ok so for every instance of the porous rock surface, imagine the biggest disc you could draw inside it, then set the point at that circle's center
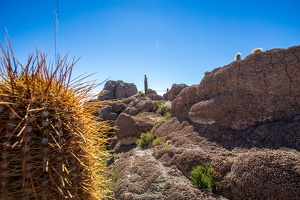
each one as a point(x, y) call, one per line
point(264, 174)
point(243, 118)
point(174, 91)
point(142, 177)
point(243, 171)
point(130, 128)
point(143, 104)
point(152, 94)
point(263, 87)
point(110, 110)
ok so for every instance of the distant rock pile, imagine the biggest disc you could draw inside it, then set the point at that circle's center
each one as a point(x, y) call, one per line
point(117, 90)
point(174, 91)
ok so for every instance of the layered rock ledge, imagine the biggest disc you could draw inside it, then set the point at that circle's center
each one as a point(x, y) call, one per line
point(261, 88)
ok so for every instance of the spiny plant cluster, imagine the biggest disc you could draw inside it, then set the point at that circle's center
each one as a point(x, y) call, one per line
point(162, 107)
point(148, 139)
point(145, 139)
point(51, 147)
point(202, 177)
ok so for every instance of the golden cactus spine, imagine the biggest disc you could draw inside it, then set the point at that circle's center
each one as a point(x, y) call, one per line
point(51, 147)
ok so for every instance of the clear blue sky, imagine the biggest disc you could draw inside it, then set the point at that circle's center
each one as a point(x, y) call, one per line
point(171, 41)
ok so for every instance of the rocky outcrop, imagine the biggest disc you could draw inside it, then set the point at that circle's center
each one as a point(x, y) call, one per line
point(106, 113)
point(243, 118)
point(152, 94)
point(261, 88)
point(117, 90)
point(264, 174)
point(111, 110)
point(143, 104)
point(174, 91)
point(258, 173)
point(130, 128)
point(241, 173)
point(189, 149)
point(142, 177)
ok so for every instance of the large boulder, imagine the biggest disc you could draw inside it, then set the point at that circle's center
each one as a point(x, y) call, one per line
point(142, 177)
point(152, 94)
point(174, 91)
point(264, 87)
point(117, 89)
point(143, 104)
point(130, 128)
point(264, 174)
point(111, 110)
point(106, 113)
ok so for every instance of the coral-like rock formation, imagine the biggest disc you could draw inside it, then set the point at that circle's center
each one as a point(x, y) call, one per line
point(264, 174)
point(263, 87)
point(242, 173)
point(142, 177)
point(243, 118)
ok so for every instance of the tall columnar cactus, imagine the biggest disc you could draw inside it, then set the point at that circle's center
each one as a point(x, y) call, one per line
point(146, 84)
point(51, 147)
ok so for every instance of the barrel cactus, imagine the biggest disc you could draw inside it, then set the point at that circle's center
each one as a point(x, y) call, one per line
point(51, 146)
point(238, 56)
point(256, 50)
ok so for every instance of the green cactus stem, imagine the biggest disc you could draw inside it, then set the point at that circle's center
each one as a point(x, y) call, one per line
point(146, 84)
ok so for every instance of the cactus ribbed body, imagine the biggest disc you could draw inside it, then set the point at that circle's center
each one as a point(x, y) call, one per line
point(238, 56)
point(256, 50)
point(51, 147)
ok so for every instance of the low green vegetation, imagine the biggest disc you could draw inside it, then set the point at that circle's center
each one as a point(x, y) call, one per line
point(128, 100)
point(145, 139)
point(118, 155)
point(162, 107)
point(114, 175)
point(141, 94)
point(165, 146)
point(139, 115)
point(202, 177)
point(166, 117)
point(163, 119)
point(157, 142)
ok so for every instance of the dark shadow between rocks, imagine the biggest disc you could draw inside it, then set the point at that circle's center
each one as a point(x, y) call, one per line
point(272, 135)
